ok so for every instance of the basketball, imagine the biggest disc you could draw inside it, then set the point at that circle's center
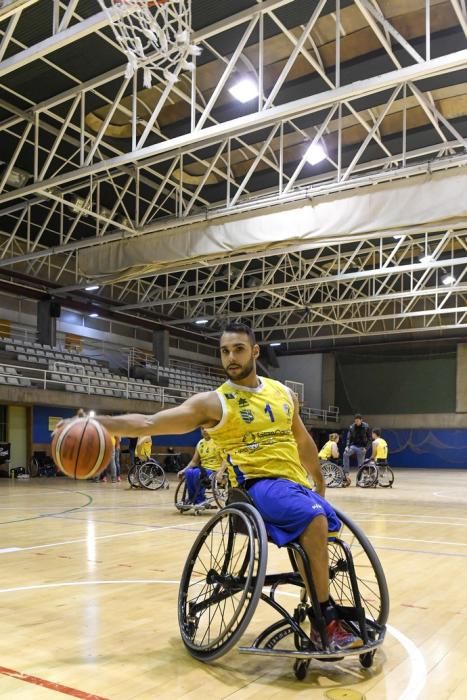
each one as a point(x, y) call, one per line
point(82, 448)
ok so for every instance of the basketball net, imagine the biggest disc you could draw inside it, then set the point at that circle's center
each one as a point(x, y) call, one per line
point(155, 36)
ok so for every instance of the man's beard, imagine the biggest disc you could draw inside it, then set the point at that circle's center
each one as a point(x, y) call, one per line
point(246, 370)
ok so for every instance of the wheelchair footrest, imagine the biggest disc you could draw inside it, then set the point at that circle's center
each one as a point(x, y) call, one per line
point(317, 654)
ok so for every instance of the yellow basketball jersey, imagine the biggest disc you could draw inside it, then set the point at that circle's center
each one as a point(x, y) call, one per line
point(209, 454)
point(326, 450)
point(144, 449)
point(381, 449)
point(255, 432)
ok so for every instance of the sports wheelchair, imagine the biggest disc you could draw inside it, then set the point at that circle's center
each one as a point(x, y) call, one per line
point(149, 474)
point(333, 474)
point(215, 494)
point(225, 574)
point(373, 473)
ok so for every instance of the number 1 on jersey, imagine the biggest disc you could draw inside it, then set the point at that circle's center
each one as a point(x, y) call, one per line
point(268, 410)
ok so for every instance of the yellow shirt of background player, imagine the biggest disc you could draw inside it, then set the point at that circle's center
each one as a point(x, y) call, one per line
point(209, 454)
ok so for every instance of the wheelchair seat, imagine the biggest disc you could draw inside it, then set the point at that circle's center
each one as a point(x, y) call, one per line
point(225, 574)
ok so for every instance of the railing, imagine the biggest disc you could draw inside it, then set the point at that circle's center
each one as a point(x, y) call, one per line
point(42, 379)
point(329, 414)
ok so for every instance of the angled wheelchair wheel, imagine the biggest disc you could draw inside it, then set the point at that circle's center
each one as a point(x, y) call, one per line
point(133, 477)
point(333, 475)
point(151, 475)
point(370, 576)
point(222, 581)
point(220, 490)
point(367, 476)
point(181, 496)
point(385, 477)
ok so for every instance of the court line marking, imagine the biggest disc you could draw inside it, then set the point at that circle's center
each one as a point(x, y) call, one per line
point(440, 494)
point(406, 515)
point(154, 528)
point(65, 584)
point(418, 673)
point(414, 539)
point(50, 685)
point(413, 522)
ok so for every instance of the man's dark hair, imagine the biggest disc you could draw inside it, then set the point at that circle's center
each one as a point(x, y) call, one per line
point(377, 431)
point(238, 327)
point(358, 415)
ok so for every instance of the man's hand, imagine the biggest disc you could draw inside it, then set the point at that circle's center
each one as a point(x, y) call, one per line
point(181, 473)
point(221, 474)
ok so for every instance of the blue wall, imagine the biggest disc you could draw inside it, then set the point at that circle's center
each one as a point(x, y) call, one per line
point(40, 420)
point(443, 449)
point(41, 434)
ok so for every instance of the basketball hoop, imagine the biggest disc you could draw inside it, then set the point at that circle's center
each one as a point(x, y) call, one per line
point(155, 36)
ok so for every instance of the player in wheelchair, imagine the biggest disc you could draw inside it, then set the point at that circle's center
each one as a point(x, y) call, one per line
point(256, 423)
point(330, 465)
point(200, 487)
point(376, 470)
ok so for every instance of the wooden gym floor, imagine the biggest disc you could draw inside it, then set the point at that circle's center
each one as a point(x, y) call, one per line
point(89, 579)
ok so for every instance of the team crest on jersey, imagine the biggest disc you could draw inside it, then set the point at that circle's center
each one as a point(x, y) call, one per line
point(247, 415)
point(242, 402)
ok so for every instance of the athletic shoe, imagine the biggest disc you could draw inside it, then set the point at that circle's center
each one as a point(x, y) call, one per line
point(118, 478)
point(339, 637)
point(104, 478)
point(347, 482)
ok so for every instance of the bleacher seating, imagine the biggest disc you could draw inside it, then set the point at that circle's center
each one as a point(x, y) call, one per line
point(59, 369)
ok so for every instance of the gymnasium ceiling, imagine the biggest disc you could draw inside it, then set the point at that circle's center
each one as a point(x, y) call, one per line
point(91, 159)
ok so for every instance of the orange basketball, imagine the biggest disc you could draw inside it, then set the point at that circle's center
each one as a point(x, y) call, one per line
point(82, 448)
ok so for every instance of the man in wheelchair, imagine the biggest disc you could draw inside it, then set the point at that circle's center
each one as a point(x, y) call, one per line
point(255, 422)
point(205, 461)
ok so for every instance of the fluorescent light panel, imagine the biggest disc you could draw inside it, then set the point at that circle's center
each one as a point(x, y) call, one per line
point(245, 90)
point(92, 288)
point(315, 154)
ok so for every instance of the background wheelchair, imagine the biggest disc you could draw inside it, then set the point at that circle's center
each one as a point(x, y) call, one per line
point(373, 473)
point(149, 474)
point(215, 494)
point(225, 573)
point(333, 474)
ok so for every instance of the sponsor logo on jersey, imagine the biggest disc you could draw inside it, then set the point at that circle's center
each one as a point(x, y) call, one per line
point(229, 396)
point(242, 402)
point(247, 415)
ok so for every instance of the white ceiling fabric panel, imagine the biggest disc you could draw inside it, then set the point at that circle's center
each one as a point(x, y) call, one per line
point(434, 200)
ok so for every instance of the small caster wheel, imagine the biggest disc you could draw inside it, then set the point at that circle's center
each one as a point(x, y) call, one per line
point(366, 660)
point(300, 668)
point(300, 614)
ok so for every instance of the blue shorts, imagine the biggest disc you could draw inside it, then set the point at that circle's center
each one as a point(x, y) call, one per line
point(288, 508)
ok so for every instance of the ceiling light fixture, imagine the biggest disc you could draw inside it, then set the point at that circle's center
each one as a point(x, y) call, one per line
point(201, 321)
point(93, 315)
point(18, 177)
point(245, 90)
point(448, 279)
point(275, 345)
point(426, 258)
point(315, 154)
point(92, 288)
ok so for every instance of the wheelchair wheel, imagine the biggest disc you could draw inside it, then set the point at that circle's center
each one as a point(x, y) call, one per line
point(367, 476)
point(371, 580)
point(385, 477)
point(133, 477)
point(181, 495)
point(333, 475)
point(220, 490)
point(151, 475)
point(222, 581)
